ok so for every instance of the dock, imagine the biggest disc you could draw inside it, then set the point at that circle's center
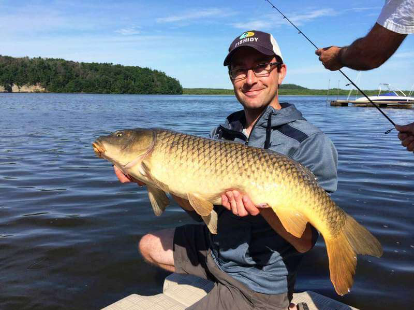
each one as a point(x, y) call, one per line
point(182, 291)
point(381, 104)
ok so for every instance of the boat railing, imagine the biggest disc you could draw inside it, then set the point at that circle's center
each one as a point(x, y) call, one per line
point(396, 91)
point(356, 82)
point(411, 90)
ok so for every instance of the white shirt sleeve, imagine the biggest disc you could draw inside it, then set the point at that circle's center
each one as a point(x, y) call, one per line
point(398, 16)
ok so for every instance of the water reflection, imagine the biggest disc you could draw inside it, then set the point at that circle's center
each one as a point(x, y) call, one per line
point(69, 229)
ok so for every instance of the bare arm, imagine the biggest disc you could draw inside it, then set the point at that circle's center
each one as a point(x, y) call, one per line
point(241, 205)
point(365, 53)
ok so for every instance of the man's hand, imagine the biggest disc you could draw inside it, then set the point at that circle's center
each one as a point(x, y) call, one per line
point(123, 178)
point(406, 135)
point(239, 204)
point(330, 57)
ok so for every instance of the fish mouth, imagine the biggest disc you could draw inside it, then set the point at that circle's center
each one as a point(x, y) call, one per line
point(98, 148)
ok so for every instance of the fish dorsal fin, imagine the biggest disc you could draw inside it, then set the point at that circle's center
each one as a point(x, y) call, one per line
point(158, 199)
point(211, 222)
point(292, 220)
point(202, 206)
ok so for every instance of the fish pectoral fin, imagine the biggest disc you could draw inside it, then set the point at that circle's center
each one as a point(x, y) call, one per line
point(211, 222)
point(292, 220)
point(158, 198)
point(145, 171)
point(202, 206)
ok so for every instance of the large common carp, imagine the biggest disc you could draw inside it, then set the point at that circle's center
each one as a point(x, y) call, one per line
point(200, 170)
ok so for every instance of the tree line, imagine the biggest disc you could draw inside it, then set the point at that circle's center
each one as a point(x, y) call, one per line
point(62, 76)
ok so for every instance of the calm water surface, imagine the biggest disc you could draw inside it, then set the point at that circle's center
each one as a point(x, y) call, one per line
point(69, 230)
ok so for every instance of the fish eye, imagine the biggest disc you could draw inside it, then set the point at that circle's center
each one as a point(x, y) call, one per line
point(118, 134)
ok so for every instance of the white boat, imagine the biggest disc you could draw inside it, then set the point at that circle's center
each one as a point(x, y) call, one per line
point(392, 96)
point(390, 99)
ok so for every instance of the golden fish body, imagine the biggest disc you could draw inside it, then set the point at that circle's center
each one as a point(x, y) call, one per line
point(200, 170)
point(190, 164)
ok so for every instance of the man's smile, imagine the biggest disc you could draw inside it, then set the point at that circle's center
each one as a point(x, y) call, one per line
point(252, 92)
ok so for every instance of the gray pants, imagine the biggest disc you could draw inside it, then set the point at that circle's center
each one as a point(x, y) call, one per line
point(192, 256)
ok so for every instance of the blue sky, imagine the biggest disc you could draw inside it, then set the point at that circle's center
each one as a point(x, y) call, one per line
point(188, 40)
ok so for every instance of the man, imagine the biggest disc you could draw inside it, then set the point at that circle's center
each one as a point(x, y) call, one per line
point(394, 23)
point(253, 265)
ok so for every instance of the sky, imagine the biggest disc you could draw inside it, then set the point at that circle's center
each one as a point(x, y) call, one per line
point(189, 40)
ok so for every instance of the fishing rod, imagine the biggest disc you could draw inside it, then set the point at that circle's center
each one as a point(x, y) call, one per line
point(310, 41)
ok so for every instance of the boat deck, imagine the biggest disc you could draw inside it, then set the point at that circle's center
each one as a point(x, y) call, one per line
point(181, 291)
point(381, 104)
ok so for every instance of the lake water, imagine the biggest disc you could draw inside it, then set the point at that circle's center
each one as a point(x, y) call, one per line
point(69, 230)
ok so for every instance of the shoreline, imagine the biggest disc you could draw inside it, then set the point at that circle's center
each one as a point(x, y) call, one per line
point(187, 95)
point(38, 89)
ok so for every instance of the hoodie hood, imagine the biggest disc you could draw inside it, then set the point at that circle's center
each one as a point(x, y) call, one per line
point(269, 120)
point(288, 114)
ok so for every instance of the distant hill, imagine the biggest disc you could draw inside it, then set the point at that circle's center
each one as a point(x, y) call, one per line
point(207, 91)
point(222, 91)
point(284, 90)
point(62, 76)
point(291, 86)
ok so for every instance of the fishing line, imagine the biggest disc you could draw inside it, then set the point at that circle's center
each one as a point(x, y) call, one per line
point(310, 41)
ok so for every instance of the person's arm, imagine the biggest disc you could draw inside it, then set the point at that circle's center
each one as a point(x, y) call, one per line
point(241, 205)
point(406, 136)
point(365, 53)
point(319, 155)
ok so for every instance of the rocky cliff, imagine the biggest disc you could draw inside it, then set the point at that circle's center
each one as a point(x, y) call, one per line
point(23, 89)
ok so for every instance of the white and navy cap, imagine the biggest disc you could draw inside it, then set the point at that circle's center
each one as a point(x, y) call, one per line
point(263, 42)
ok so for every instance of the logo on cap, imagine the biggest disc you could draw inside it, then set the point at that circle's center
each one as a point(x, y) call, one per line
point(247, 34)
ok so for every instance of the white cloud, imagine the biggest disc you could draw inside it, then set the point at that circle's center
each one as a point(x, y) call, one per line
point(302, 18)
point(375, 9)
point(128, 31)
point(274, 20)
point(33, 21)
point(195, 15)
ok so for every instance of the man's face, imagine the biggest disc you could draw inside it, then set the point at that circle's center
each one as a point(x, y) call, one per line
point(256, 92)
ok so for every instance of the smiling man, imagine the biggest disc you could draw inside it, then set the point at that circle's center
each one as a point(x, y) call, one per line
point(252, 264)
point(264, 261)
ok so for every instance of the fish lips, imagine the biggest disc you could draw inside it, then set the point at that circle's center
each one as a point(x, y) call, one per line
point(98, 148)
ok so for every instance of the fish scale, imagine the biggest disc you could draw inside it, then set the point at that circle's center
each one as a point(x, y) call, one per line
point(202, 157)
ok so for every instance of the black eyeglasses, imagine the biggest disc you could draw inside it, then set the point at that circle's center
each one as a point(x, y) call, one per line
point(261, 70)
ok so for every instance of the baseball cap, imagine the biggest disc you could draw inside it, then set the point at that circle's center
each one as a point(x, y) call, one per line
point(263, 42)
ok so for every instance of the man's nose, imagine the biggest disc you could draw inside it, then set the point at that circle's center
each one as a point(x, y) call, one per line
point(251, 77)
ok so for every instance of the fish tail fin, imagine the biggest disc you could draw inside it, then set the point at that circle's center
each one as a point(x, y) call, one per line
point(342, 252)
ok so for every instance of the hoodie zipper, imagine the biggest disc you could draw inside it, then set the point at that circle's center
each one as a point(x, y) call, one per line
point(254, 126)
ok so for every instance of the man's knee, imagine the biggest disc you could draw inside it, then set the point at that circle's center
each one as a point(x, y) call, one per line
point(157, 247)
point(145, 245)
